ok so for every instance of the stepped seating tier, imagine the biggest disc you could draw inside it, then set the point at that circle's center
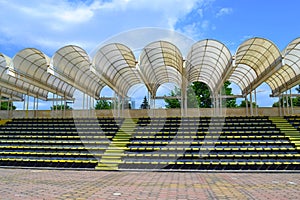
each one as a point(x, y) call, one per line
point(67, 143)
point(205, 143)
point(172, 143)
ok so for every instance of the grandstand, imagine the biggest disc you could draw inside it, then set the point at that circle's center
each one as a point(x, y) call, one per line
point(181, 139)
point(187, 143)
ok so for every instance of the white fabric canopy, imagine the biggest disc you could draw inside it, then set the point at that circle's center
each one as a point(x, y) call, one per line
point(161, 62)
point(257, 60)
point(72, 65)
point(208, 62)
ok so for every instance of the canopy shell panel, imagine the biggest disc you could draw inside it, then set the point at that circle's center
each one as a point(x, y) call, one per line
point(262, 56)
point(116, 64)
point(32, 66)
point(289, 74)
point(72, 64)
point(160, 62)
point(207, 61)
point(18, 85)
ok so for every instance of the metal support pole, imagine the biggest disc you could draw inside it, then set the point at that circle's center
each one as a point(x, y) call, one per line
point(34, 110)
point(52, 104)
point(8, 115)
point(185, 103)
point(91, 106)
point(83, 100)
point(37, 104)
point(292, 106)
point(65, 106)
point(246, 102)
point(251, 104)
point(221, 104)
point(119, 106)
point(283, 109)
point(255, 99)
point(114, 103)
point(287, 103)
point(27, 106)
point(122, 106)
point(279, 106)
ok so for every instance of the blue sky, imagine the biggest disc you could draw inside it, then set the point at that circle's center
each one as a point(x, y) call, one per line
point(50, 24)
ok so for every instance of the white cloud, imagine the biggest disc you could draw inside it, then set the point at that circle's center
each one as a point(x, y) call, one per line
point(49, 24)
point(200, 12)
point(192, 30)
point(205, 25)
point(224, 11)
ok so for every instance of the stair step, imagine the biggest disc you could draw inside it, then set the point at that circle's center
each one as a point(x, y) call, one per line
point(112, 157)
point(108, 161)
point(290, 131)
point(107, 168)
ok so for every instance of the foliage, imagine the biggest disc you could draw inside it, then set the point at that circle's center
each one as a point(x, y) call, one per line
point(230, 102)
point(202, 93)
point(198, 95)
point(103, 105)
point(283, 102)
point(287, 102)
point(60, 107)
point(7, 105)
point(243, 104)
point(145, 104)
point(173, 103)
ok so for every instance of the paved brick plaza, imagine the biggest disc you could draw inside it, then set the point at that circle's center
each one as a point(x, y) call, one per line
point(67, 184)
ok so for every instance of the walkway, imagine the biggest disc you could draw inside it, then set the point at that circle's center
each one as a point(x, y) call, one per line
point(67, 184)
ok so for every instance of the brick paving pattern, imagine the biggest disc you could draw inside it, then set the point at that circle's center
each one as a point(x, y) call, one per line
point(67, 184)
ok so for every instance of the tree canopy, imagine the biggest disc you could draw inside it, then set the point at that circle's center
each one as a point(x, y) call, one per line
point(287, 101)
point(60, 107)
point(243, 104)
point(198, 96)
point(103, 105)
point(145, 104)
point(7, 105)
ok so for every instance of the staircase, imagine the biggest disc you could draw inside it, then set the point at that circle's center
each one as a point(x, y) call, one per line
point(289, 130)
point(112, 157)
point(4, 121)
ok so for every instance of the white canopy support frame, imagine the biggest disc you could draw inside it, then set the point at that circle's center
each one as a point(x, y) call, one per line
point(257, 60)
point(262, 56)
point(116, 65)
point(15, 84)
point(288, 75)
point(208, 61)
point(31, 66)
point(160, 62)
point(72, 65)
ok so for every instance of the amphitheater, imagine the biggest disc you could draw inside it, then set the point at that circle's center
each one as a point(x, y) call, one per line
point(150, 148)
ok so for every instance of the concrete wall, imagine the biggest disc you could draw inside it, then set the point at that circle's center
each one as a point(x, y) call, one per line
point(145, 113)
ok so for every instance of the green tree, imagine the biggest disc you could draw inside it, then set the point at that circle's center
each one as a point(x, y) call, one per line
point(60, 107)
point(145, 104)
point(202, 93)
point(287, 102)
point(173, 103)
point(230, 102)
point(7, 105)
point(103, 105)
point(198, 95)
point(243, 104)
point(296, 101)
point(284, 102)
